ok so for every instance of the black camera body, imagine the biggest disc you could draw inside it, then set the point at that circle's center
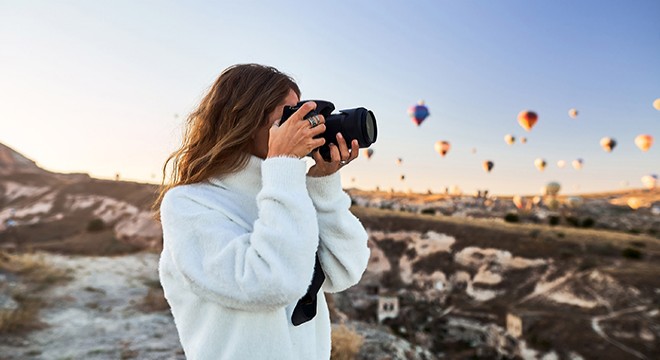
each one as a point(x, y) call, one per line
point(358, 123)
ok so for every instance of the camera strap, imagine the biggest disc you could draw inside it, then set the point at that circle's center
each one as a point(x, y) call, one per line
point(305, 309)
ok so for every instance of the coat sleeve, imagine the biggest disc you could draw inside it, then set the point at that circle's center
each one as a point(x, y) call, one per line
point(268, 268)
point(343, 250)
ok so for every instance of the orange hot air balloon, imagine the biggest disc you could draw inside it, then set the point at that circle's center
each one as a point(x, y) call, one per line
point(656, 104)
point(650, 180)
point(540, 164)
point(509, 139)
point(368, 153)
point(561, 164)
point(523, 140)
point(442, 147)
point(644, 142)
point(608, 144)
point(399, 161)
point(488, 165)
point(518, 201)
point(527, 119)
point(634, 203)
point(577, 164)
point(573, 113)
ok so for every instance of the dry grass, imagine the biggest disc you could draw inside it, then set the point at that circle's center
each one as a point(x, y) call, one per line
point(346, 343)
point(33, 268)
point(37, 276)
point(25, 318)
point(155, 300)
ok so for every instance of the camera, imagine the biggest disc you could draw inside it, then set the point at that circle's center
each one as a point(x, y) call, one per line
point(358, 123)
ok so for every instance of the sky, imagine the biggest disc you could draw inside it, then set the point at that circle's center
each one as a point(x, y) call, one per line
point(104, 87)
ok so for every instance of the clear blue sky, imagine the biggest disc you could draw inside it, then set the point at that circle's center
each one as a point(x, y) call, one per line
point(94, 86)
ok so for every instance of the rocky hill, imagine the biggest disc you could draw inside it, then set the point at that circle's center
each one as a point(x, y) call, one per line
point(487, 289)
point(72, 213)
point(447, 278)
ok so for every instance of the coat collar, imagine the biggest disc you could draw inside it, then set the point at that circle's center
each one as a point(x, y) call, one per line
point(246, 181)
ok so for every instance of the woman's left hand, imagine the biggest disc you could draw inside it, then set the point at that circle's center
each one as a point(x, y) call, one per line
point(340, 156)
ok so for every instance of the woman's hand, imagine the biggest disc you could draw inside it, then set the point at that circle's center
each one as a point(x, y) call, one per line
point(296, 136)
point(339, 156)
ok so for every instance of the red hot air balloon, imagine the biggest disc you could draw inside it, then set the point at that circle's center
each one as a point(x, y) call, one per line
point(644, 142)
point(418, 112)
point(442, 147)
point(527, 119)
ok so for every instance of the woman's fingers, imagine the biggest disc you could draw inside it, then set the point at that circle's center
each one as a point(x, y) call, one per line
point(304, 110)
point(335, 155)
point(355, 150)
point(343, 149)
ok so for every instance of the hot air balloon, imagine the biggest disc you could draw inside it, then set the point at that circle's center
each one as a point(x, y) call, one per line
point(442, 147)
point(518, 201)
point(488, 165)
point(418, 113)
point(608, 144)
point(551, 188)
point(650, 180)
point(368, 153)
point(522, 203)
point(509, 139)
point(536, 200)
point(573, 113)
point(644, 142)
point(656, 104)
point(574, 202)
point(527, 119)
point(552, 203)
point(540, 164)
point(634, 203)
point(402, 177)
point(561, 164)
point(399, 161)
point(577, 164)
point(474, 150)
point(523, 140)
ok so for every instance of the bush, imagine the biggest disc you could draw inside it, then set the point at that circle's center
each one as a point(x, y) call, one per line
point(631, 253)
point(346, 343)
point(588, 222)
point(95, 225)
point(511, 217)
point(553, 220)
point(428, 211)
point(572, 220)
point(587, 263)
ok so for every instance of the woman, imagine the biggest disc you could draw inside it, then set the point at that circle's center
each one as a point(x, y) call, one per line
point(247, 230)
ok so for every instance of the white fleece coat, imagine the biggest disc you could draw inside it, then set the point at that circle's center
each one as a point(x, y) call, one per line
point(239, 252)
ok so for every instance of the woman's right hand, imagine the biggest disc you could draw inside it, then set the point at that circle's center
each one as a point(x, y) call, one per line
point(296, 136)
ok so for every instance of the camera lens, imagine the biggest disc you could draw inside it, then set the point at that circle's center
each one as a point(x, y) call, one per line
point(370, 124)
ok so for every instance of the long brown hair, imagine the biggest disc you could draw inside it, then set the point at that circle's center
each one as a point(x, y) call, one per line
point(219, 133)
